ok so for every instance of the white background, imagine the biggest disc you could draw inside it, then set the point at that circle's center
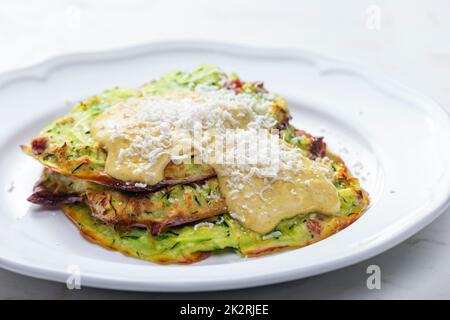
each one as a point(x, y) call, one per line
point(410, 40)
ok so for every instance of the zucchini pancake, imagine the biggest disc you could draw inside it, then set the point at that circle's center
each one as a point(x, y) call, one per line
point(192, 164)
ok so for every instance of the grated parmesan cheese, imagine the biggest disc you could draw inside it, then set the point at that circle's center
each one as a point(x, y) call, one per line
point(272, 235)
point(203, 224)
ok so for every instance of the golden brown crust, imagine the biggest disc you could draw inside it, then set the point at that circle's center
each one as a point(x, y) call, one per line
point(133, 211)
point(153, 211)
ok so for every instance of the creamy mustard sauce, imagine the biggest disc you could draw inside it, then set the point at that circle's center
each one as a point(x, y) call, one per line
point(142, 138)
point(260, 206)
point(133, 167)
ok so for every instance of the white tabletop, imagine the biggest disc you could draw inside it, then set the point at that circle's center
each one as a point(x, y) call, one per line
point(407, 39)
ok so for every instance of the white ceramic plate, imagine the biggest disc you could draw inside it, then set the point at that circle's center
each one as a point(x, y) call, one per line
point(397, 139)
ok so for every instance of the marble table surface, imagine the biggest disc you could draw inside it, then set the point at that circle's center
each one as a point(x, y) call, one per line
point(406, 39)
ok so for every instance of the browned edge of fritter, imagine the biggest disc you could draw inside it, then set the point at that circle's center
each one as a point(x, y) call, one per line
point(154, 227)
point(44, 196)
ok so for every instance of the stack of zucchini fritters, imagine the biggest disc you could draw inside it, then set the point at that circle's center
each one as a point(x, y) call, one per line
point(184, 218)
